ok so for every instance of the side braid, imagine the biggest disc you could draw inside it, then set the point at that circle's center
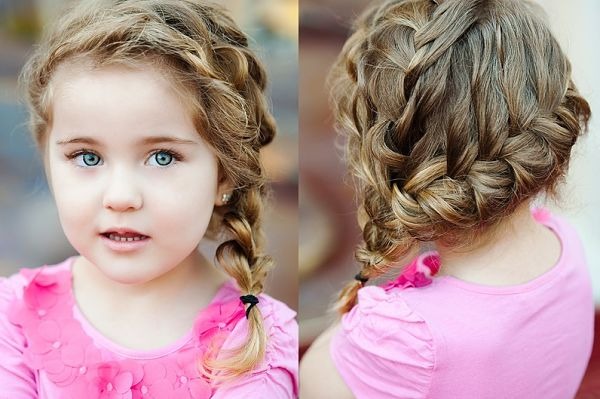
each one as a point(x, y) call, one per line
point(241, 257)
point(452, 121)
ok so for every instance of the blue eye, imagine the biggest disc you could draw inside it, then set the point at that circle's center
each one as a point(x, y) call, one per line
point(88, 158)
point(91, 159)
point(165, 157)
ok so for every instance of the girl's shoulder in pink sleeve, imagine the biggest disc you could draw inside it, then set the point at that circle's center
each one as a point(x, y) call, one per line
point(279, 324)
point(277, 373)
point(381, 312)
point(276, 314)
point(382, 309)
point(12, 287)
point(17, 376)
point(382, 348)
point(282, 336)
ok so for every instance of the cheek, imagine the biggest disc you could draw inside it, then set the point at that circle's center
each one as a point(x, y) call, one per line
point(72, 196)
point(77, 217)
point(186, 206)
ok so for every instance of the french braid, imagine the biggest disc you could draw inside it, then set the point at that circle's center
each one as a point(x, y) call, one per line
point(453, 118)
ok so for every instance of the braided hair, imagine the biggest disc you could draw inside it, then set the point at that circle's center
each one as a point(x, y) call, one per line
point(205, 55)
point(455, 113)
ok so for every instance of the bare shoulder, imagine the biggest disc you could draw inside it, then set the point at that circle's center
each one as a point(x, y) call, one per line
point(318, 375)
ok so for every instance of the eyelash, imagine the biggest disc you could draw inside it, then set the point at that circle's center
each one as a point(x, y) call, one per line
point(177, 157)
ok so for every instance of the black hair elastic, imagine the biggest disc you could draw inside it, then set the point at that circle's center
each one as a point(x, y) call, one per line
point(361, 278)
point(251, 299)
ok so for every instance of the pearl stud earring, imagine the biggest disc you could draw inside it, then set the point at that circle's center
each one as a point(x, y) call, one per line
point(225, 198)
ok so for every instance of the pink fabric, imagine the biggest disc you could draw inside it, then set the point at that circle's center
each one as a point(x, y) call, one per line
point(440, 337)
point(49, 350)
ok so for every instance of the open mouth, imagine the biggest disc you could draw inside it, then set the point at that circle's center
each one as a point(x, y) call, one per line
point(125, 237)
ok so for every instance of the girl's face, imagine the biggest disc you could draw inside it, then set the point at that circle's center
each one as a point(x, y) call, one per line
point(123, 154)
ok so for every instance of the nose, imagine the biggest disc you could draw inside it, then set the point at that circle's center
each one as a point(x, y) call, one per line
point(122, 193)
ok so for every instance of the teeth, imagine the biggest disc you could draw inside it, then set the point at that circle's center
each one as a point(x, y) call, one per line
point(116, 237)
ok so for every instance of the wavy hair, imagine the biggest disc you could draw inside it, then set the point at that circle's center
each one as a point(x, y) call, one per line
point(455, 113)
point(206, 56)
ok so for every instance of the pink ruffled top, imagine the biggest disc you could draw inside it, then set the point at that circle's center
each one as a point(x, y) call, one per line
point(427, 336)
point(49, 350)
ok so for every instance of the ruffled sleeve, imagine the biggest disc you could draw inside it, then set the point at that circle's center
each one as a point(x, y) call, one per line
point(17, 380)
point(277, 375)
point(383, 349)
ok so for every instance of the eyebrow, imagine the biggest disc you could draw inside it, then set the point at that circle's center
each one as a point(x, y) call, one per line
point(145, 141)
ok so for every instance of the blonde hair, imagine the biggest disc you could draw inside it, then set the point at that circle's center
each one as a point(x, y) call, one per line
point(456, 112)
point(207, 58)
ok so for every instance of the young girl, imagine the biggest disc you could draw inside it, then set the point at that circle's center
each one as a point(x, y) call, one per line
point(150, 116)
point(458, 114)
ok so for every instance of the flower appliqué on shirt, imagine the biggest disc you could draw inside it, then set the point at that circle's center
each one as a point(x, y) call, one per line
point(418, 273)
point(58, 346)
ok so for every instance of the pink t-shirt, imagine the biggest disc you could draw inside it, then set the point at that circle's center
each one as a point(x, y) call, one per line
point(440, 337)
point(48, 350)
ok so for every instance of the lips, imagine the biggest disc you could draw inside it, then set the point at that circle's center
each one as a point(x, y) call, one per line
point(124, 234)
point(125, 240)
point(116, 237)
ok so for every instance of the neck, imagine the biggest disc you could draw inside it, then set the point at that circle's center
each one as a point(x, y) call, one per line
point(194, 279)
point(515, 236)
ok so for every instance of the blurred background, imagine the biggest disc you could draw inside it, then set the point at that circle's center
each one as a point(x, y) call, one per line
point(328, 229)
point(30, 233)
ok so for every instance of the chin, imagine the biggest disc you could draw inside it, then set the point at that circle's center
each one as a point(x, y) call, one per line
point(128, 271)
point(126, 278)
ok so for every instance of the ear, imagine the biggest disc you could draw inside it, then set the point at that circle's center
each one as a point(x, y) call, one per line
point(224, 190)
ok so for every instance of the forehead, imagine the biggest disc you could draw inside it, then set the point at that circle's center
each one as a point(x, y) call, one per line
point(115, 102)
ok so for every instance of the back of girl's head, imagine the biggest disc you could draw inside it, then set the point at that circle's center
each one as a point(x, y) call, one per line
point(207, 59)
point(456, 112)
